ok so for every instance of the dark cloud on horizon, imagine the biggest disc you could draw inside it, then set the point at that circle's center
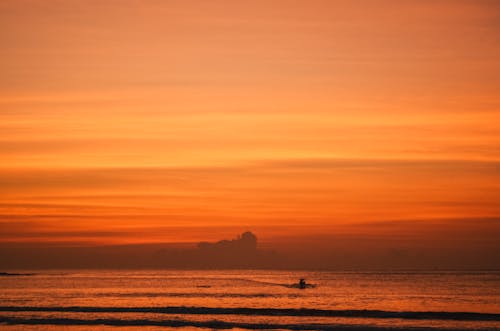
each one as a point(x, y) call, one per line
point(437, 248)
point(241, 252)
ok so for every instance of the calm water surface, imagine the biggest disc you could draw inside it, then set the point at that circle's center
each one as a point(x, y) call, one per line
point(181, 300)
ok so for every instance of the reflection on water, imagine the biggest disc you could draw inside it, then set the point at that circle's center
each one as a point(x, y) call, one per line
point(388, 293)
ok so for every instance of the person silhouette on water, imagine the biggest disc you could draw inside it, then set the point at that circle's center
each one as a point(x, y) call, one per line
point(302, 283)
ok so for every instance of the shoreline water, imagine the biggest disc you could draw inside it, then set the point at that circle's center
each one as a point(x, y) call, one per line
point(213, 324)
point(250, 299)
point(417, 315)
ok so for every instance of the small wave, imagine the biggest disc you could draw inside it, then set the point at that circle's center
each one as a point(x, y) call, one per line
point(13, 274)
point(415, 315)
point(186, 295)
point(213, 324)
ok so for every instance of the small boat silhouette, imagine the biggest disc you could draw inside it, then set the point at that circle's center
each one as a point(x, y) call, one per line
point(302, 285)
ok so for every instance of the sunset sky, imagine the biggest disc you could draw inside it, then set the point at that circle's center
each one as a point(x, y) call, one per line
point(178, 121)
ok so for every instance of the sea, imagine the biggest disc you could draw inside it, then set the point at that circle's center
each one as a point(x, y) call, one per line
point(248, 300)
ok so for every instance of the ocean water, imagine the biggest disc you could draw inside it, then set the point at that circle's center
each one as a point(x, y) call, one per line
point(249, 299)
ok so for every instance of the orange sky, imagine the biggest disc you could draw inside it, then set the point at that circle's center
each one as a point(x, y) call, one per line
point(178, 121)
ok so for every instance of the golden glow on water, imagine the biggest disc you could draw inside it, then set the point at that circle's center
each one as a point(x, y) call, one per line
point(384, 293)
